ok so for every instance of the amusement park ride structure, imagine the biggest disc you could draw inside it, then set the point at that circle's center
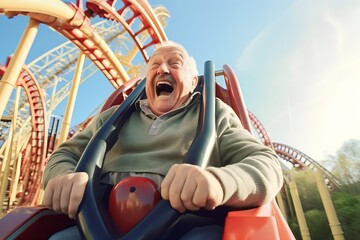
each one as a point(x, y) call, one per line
point(45, 73)
point(118, 44)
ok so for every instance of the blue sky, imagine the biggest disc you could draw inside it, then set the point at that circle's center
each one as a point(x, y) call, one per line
point(298, 62)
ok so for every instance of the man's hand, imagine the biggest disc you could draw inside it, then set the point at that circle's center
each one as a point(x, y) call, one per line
point(64, 193)
point(188, 187)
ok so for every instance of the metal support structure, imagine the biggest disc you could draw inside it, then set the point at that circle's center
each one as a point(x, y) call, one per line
point(281, 204)
point(304, 230)
point(15, 180)
point(72, 98)
point(334, 223)
point(8, 153)
point(8, 81)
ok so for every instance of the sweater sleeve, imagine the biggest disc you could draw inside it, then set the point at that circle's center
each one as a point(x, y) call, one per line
point(251, 174)
point(67, 155)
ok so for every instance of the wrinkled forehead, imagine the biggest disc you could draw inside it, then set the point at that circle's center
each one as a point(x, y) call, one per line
point(169, 51)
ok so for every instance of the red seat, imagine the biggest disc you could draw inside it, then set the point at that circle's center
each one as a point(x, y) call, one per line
point(34, 222)
point(265, 222)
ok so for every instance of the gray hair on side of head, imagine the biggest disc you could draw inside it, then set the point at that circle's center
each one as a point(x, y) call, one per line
point(190, 61)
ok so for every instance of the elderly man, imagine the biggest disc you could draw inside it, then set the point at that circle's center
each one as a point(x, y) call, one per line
point(154, 141)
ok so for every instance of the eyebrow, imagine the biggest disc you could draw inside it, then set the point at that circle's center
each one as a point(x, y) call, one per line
point(176, 52)
point(179, 53)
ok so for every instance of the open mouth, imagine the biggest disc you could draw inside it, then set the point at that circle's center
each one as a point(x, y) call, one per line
point(164, 88)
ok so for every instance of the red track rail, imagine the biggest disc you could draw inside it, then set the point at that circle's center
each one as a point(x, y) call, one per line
point(38, 137)
point(260, 130)
point(141, 11)
point(300, 160)
point(34, 153)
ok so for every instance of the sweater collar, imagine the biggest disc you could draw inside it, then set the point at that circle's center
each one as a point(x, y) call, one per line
point(144, 106)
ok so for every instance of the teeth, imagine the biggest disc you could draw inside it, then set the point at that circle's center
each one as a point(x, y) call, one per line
point(163, 82)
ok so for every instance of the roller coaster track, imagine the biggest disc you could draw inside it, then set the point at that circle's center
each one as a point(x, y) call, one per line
point(49, 69)
point(301, 160)
point(141, 11)
point(38, 140)
point(295, 157)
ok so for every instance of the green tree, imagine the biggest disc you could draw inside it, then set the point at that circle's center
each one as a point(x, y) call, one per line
point(318, 225)
point(294, 226)
point(308, 192)
point(345, 164)
point(348, 208)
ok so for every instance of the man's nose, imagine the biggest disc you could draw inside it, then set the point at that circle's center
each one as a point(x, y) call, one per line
point(163, 68)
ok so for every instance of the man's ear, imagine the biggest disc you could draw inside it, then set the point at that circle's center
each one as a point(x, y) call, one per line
point(195, 81)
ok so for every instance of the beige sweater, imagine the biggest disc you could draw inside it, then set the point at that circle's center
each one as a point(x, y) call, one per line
point(248, 171)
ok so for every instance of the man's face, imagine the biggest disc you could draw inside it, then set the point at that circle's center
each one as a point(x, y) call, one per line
point(168, 80)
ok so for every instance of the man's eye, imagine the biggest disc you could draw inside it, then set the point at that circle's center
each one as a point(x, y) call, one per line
point(154, 65)
point(176, 64)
